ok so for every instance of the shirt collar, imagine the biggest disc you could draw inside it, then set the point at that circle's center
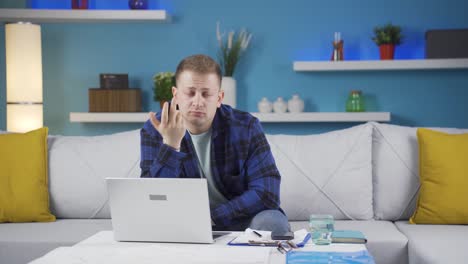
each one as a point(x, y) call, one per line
point(219, 122)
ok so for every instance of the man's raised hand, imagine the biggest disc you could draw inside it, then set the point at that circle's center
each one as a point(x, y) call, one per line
point(171, 127)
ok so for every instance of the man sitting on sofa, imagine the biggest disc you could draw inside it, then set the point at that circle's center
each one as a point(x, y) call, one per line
point(198, 137)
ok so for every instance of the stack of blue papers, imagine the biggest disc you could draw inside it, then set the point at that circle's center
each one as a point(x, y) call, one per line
point(300, 257)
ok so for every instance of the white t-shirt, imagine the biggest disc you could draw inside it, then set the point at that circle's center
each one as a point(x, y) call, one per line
point(202, 145)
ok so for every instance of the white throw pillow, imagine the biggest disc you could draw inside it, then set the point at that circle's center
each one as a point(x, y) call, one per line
point(78, 166)
point(327, 173)
point(396, 171)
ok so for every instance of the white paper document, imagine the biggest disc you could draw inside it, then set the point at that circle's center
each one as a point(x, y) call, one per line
point(170, 254)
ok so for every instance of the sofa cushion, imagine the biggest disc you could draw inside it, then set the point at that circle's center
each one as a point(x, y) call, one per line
point(23, 242)
point(327, 173)
point(395, 168)
point(78, 167)
point(24, 194)
point(443, 167)
point(384, 241)
point(435, 243)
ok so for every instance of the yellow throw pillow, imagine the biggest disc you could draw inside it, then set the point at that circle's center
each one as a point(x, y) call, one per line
point(24, 194)
point(443, 170)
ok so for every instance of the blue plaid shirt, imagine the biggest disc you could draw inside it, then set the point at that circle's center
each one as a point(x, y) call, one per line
point(241, 162)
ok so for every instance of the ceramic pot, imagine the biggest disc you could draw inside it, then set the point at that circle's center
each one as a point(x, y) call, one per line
point(387, 51)
point(265, 106)
point(295, 104)
point(280, 106)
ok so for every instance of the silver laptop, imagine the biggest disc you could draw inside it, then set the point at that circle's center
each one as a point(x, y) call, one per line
point(160, 210)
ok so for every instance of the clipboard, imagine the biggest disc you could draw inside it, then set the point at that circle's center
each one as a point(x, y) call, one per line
point(250, 238)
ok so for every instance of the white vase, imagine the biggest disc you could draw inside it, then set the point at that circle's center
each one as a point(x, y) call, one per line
point(228, 85)
point(296, 104)
point(280, 105)
point(264, 106)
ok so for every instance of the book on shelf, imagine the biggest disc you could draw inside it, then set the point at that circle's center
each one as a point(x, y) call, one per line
point(348, 236)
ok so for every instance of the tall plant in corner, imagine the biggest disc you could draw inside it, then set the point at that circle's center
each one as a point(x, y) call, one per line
point(231, 50)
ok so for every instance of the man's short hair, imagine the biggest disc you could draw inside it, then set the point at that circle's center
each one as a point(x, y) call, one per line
point(199, 63)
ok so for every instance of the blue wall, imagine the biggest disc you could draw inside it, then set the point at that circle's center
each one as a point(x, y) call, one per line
point(75, 54)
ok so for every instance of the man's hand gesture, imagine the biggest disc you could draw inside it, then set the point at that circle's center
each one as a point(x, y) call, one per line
point(171, 127)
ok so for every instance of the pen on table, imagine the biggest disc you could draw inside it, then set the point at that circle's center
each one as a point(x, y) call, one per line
point(257, 233)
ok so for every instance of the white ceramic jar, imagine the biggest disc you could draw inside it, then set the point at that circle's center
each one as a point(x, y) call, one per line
point(280, 106)
point(265, 106)
point(296, 104)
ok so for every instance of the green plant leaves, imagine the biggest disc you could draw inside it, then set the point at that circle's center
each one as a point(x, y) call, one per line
point(163, 83)
point(387, 34)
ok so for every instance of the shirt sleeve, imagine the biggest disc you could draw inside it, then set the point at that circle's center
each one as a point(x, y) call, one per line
point(263, 182)
point(158, 159)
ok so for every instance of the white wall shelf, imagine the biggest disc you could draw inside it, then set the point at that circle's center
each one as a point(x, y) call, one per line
point(266, 118)
point(80, 16)
point(380, 65)
point(323, 117)
point(84, 117)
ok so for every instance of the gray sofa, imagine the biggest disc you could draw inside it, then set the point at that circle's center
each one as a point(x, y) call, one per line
point(365, 176)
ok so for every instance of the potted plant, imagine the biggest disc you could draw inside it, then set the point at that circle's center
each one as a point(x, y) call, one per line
point(162, 89)
point(230, 52)
point(387, 37)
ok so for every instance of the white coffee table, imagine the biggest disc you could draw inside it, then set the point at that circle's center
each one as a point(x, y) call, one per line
point(101, 247)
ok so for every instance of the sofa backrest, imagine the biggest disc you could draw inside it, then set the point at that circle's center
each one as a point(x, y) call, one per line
point(329, 173)
point(325, 173)
point(395, 161)
point(78, 167)
point(363, 172)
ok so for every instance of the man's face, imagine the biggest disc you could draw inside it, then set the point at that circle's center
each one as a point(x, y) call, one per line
point(198, 97)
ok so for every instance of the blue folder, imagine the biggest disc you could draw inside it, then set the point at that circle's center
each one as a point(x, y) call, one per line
point(348, 236)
